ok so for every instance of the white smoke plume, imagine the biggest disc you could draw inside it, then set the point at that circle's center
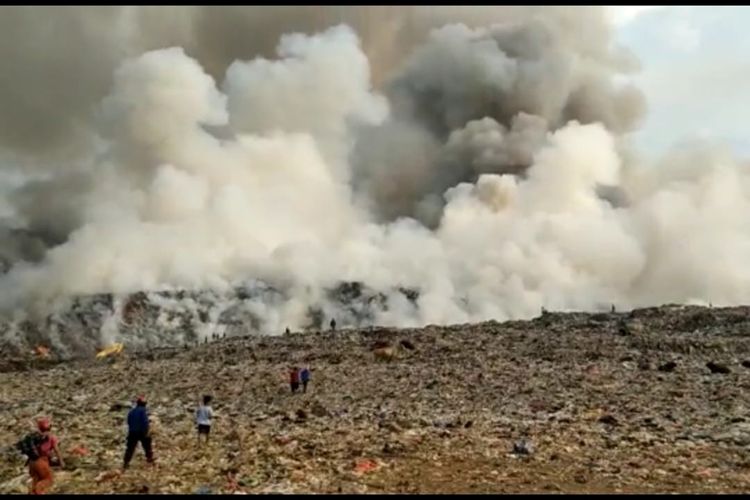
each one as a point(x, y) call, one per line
point(487, 172)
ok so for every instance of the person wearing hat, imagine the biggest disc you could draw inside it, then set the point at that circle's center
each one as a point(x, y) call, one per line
point(138, 432)
point(39, 466)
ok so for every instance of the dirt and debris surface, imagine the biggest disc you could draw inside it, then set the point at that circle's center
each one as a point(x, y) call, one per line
point(654, 400)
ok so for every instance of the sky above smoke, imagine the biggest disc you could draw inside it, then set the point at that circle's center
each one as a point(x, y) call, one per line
point(692, 63)
point(490, 158)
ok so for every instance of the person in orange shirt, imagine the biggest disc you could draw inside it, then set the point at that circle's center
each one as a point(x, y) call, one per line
point(44, 443)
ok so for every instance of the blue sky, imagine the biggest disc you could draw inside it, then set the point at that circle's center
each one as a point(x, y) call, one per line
point(695, 73)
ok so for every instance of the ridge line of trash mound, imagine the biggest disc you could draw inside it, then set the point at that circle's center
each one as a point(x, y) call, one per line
point(673, 318)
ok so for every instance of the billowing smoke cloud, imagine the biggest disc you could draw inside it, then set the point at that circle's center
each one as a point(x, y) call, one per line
point(40, 46)
point(482, 166)
point(58, 63)
point(490, 95)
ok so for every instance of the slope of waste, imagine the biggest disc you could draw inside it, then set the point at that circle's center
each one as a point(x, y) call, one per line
point(81, 325)
point(654, 400)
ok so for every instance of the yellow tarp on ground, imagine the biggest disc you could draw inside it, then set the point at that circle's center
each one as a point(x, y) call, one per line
point(109, 351)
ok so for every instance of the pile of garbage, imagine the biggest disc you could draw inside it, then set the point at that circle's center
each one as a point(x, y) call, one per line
point(75, 327)
point(645, 401)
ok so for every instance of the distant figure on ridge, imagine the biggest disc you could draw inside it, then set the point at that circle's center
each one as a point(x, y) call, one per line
point(333, 325)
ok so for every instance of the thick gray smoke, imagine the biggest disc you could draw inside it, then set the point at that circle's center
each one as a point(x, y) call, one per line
point(58, 64)
point(487, 97)
point(476, 156)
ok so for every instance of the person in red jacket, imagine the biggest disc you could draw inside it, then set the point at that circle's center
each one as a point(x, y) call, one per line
point(39, 468)
point(294, 379)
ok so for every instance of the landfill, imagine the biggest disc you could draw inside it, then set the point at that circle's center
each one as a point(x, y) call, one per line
point(649, 401)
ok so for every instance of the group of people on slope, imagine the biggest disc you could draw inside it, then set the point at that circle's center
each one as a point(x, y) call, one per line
point(297, 375)
point(41, 447)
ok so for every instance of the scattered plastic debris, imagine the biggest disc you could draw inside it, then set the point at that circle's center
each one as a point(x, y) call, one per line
point(364, 466)
point(80, 451)
point(522, 448)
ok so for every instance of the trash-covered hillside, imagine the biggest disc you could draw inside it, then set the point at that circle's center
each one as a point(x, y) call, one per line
point(79, 326)
point(653, 400)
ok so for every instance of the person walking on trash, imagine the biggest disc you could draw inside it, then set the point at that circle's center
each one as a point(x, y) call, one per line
point(304, 376)
point(38, 448)
point(203, 416)
point(138, 432)
point(294, 379)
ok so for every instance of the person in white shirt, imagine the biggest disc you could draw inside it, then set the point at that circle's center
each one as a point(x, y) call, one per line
point(203, 416)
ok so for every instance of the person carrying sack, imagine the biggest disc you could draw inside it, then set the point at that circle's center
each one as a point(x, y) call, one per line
point(38, 448)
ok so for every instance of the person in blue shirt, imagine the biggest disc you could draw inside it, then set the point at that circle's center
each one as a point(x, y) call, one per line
point(138, 432)
point(304, 376)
